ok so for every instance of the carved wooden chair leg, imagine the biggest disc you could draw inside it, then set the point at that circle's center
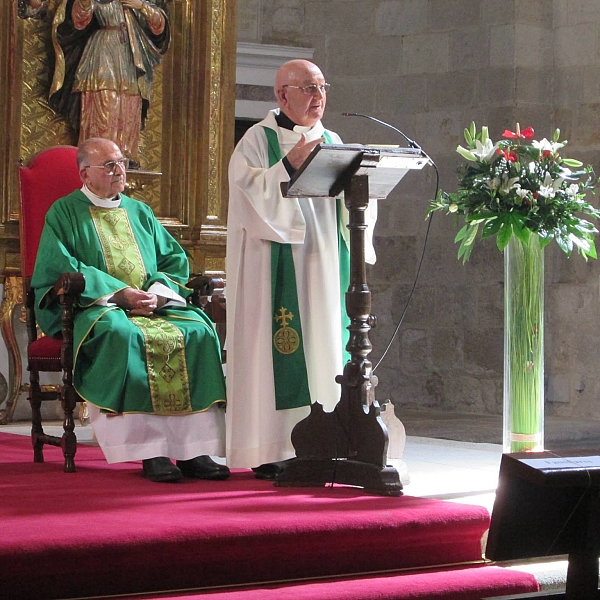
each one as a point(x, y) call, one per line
point(68, 441)
point(36, 419)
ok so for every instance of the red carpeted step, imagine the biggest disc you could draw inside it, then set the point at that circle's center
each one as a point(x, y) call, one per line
point(469, 583)
point(106, 530)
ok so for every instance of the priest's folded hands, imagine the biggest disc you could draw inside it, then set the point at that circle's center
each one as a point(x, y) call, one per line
point(138, 302)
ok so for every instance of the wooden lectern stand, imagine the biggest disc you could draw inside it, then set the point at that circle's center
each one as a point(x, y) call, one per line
point(349, 444)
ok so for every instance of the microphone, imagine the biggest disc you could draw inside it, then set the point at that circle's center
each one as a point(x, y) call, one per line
point(410, 142)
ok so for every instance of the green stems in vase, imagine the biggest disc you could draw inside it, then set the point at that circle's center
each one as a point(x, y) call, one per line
point(523, 345)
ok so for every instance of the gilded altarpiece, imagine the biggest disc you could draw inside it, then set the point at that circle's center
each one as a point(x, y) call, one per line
point(184, 147)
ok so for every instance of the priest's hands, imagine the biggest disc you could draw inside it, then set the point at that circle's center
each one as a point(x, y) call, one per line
point(138, 302)
point(299, 153)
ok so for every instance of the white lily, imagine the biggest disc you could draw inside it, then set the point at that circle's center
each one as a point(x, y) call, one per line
point(546, 191)
point(493, 184)
point(521, 192)
point(483, 151)
point(486, 151)
point(508, 184)
point(557, 183)
point(545, 144)
point(549, 186)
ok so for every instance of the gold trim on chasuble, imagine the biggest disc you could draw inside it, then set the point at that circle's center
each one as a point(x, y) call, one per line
point(167, 369)
point(165, 345)
point(121, 253)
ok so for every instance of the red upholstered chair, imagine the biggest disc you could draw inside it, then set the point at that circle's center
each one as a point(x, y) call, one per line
point(50, 175)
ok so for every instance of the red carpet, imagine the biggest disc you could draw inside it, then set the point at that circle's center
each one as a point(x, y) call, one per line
point(106, 530)
point(472, 583)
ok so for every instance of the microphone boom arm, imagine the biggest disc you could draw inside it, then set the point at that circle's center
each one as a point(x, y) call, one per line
point(410, 142)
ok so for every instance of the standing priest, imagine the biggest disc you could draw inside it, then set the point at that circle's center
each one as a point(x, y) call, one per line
point(147, 363)
point(287, 273)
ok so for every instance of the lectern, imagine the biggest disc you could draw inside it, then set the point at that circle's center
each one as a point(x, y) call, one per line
point(349, 444)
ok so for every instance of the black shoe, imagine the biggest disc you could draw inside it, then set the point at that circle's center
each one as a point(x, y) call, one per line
point(203, 467)
point(161, 470)
point(270, 471)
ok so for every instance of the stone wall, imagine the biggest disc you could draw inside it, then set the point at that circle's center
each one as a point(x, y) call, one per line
point(430, 67)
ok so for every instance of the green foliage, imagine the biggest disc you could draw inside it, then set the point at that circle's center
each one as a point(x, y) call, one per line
point(519, 186)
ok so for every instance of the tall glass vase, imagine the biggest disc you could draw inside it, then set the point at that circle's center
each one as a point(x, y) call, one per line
point(523, 346)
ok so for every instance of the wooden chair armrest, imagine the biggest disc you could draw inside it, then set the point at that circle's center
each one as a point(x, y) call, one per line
point(203, 287)
point(65, 290)
point(211, 287)
point(68, 285)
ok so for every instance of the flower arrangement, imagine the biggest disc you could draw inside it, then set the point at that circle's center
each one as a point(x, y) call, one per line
point(523, 192)
point(519, 186)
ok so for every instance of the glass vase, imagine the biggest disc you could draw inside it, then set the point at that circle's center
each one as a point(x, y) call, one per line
point(523, 346)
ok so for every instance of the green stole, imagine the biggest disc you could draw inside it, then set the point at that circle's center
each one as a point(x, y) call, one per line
point(289, 365)
point(165, 344)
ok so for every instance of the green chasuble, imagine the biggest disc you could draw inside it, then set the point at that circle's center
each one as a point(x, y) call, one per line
point(169, 364)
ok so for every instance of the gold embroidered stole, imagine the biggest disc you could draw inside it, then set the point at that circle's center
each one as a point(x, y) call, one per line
point(165, 345)
point(167, 369)
point(121, 252)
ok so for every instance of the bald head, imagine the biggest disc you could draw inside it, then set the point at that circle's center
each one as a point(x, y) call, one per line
point(92, 155)
point(295, 72)
point(90, 148)
point(300, 105)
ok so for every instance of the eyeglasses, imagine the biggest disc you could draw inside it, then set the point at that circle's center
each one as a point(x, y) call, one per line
point(311, 90)
point(110, 167)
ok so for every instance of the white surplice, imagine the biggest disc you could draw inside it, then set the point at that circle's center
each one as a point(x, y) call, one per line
point(256, 432)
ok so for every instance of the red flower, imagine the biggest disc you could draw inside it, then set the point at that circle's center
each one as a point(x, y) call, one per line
point(526, 134)
point(509, 155)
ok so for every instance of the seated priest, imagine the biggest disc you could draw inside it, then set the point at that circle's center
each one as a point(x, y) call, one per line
point(146, 361)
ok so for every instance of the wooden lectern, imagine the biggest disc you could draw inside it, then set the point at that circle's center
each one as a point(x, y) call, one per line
point(349, 444)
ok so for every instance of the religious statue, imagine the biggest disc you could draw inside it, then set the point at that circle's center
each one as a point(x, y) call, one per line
point(106, 53)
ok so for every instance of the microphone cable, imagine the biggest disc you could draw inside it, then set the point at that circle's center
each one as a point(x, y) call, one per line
point(412, 144)
point(412, 291)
